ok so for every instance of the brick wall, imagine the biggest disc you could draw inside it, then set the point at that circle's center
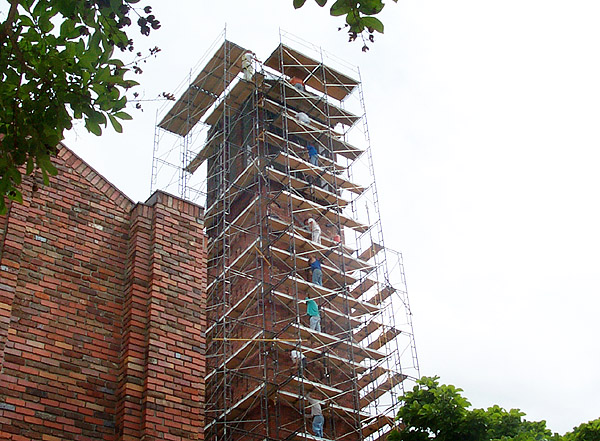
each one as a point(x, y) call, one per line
point(101, 312)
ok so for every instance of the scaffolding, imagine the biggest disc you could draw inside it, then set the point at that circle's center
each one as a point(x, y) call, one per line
point(244, 127)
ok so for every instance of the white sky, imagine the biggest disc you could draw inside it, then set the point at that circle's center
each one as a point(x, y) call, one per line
point(484, 124)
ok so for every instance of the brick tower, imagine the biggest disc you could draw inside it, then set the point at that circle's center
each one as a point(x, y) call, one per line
point(286, 183)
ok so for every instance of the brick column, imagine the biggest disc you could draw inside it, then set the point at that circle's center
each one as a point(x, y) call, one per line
point(135, 322)
point(176, 366)
point(161, 391)
point(11, 248)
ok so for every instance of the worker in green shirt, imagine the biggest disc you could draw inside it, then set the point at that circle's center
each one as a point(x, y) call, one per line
point(312, 310)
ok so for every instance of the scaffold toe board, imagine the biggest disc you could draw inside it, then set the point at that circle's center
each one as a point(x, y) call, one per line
point(209, 145)
point(323, 352)
point(281, 226)
point(238, 355)
point(329, 341)
point(370, 327)
point(232, 100)
point(210, 83)
point(308, 190)
point(382, 295)
point(235, 311)
point(333, 278)
point(384, 387)
point(301, 205)
point(300, 152)
point(303, 436)
point(343, 262)
point(370, 252)
point(384, 338)
point(314, 73)
point(309, 386)
point(315, 133)
point(315, 106)
point(330, 407)
point(291, 302)
point(335, 299)
point(297, 164)
point(371, 376)
point(376, 423)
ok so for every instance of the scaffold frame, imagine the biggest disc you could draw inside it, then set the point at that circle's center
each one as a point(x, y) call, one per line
point(244, 126)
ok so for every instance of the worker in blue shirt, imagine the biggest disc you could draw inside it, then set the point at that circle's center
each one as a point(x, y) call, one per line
point(313, 155)
point(317, 273)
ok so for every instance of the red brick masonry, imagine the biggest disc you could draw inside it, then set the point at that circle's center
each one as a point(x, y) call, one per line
point(102, 312)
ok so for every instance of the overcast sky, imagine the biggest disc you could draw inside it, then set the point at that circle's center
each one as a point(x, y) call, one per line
point(484, 124)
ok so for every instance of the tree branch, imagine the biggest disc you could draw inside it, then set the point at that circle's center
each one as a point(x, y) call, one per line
point(21, 57)
point(12, 14)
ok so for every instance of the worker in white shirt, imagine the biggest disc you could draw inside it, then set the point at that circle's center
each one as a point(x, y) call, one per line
point(299, 360)
point(302, 118)
point(247, 65)
point(315, 230)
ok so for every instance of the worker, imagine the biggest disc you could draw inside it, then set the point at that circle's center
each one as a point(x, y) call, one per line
point(317, 272)
point(297, 83)
point(317, 414)
point(312, 310)
point(313, 155)
point(302, 117)
point(315, 230)
point(299, 360)
point(247, 65)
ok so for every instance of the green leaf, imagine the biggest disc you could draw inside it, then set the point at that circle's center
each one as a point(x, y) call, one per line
point(103, 74)
point(51, 169)
point(132, 83)
point(45, 176)
point(354, 21)
point(299, 3)
point(67, 29)
point(371, 7)
point(45, 24)
point(123, 116)
point(93, 127)
point(372, 23)
point(29, 168)
point(340, 7)
point(15, 175)
point(96, 117)
point(25, 21)
point(15, 195)
point(94, 43)
point(321, 2)
point(115, 123)
point(115, 62)
point(39, 9)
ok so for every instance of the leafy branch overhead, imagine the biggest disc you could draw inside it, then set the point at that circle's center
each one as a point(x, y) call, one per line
point(359, 16)
point(58, 64)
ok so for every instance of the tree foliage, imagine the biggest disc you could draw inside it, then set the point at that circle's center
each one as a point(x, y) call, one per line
point(434, 411)
point(589, 431)
point(359, 16)
point(58, 64)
